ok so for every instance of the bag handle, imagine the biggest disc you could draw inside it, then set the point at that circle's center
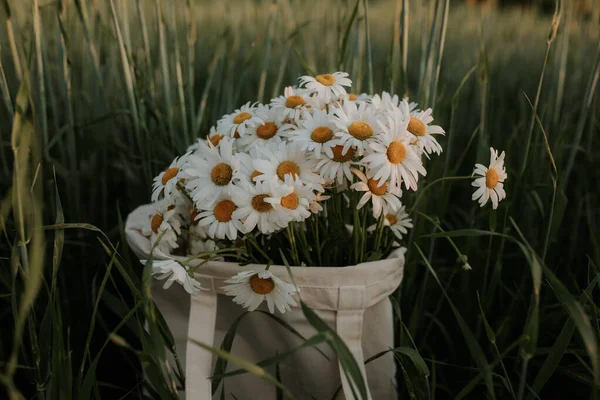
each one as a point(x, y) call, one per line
point(349, 326)
point(201, 328)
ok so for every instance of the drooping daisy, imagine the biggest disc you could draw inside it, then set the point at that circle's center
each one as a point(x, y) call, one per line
point(293, 105)
point(268, 132)
point(399, 222)
point(166, 182)
point(211, 171)
point(171, 270)
point(392, 156)
point(163, 227)
point(383, 196)
point(328, 87)
point(490, 185)
point(237, 123)
point(423, 132)
point(293, 198)
point(251, 288)
point(315, 134)
point(337, 167)
point(357, 126)
point(220, 219)
point(254, 211)
point(287, 158)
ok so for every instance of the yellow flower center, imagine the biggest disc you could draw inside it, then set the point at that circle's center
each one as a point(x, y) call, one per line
point(325, 79)
point(221, 174)
point(375, 189)
point(391, 219)
point(224, 210)
point(416, 127)
point(294, 101)
point(169, 174)
point(321, 134)
point(339, 157)
point(396, 152)
point(259, 203)
point(288, 167)
point(491, 178)
point(241, 117)
point(352, 96)
point(290, 201)
point(254, 174)
point(215, 139)
point(261, 285)
point(266, 131)
point(157, 220)
point(360, 130)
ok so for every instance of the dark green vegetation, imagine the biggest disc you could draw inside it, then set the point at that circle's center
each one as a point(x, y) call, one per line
point(97, 97)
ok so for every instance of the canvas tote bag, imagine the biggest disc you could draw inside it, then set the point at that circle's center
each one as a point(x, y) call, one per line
point(352, 300)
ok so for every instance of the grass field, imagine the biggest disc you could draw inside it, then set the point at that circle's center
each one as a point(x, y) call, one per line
point(97, 97)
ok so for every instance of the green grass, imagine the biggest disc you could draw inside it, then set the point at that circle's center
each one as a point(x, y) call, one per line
point(92, 108)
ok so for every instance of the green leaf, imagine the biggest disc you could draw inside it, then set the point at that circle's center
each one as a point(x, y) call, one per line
point(226, 345)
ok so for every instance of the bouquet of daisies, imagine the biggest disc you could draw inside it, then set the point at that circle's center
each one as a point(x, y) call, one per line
point(315, 178)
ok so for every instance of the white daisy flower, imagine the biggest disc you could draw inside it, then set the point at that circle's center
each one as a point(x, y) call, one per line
point(328, 87)
point(315, 134)
point(163, 227)
point(337, 167)
point(251, 288)
point(197, 246)
point(392, 156)
point(171, 270)
point(399, 222)
point(420, 128)
point(385, 102)
point(237, 123)
point(293, 105)
point(268, 132)
point(490, 185)
point(219, 218)
point(166, 182)
point(383, 196)
point(293, 198)
point(254, 211)
point(211, 171)
point(287, 158)
point(357, 126)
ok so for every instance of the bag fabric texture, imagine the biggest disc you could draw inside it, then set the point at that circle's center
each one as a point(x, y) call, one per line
point(352, 300)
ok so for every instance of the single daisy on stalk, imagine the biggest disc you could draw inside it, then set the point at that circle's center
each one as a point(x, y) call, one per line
point(173, 271)
point(391, 156)
point(293, 105)
point(237, 123)
point(328, 87)
point(420, 128)
point(490, 185)
point(337, 167)
point(211, 171)
point(399, 222)
point(293, 198)
point(268, 132)
point(357, 126)
point(166, 182)
point(384, 197)
point(163, 227)
point(254, 210)
point(251, 288)
point(287, 159)
point(219, 219)
point(315, 134)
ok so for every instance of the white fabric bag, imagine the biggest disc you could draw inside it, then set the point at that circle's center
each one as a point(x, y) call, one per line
point(352, 300)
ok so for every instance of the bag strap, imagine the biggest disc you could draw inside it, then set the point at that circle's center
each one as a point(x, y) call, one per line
point(349, 324)
point(201, 328)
